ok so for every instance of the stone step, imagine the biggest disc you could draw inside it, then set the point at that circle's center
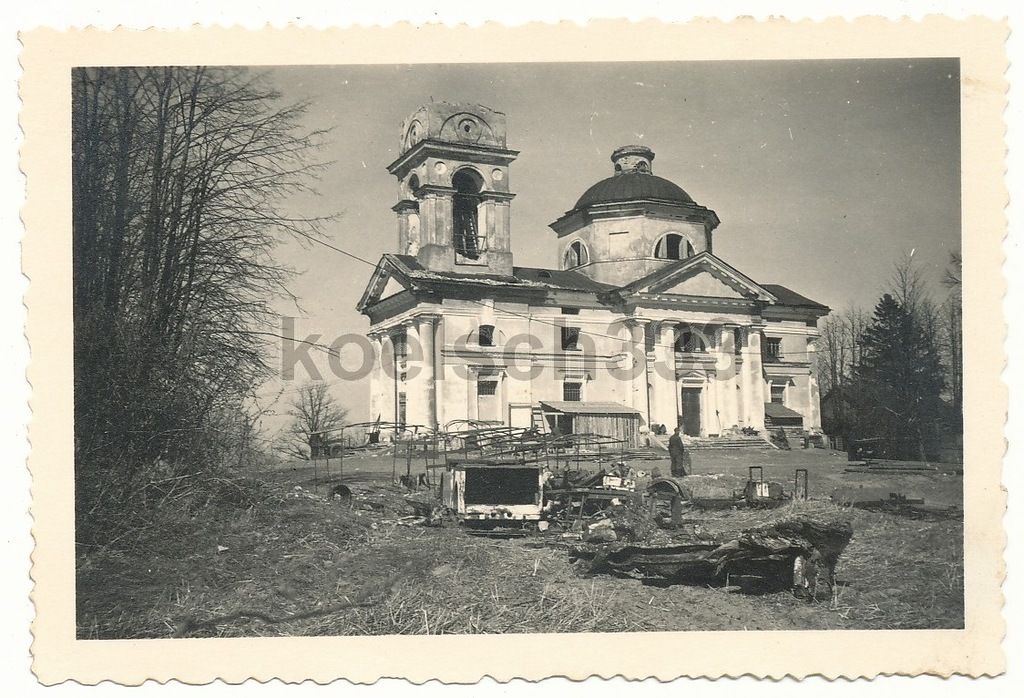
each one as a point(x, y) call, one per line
point(729, 442)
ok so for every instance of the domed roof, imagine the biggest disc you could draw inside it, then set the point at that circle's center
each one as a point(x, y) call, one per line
point(633, 186)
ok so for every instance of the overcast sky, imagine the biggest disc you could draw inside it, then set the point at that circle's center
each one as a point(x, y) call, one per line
point(822, 172)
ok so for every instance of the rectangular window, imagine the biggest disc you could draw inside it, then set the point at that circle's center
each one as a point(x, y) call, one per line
point(571, 391)
point(773, 348)
point(400, 417)
point(485, 335)
point(487, 387)
point(778, 394)
point(570, 338)
point(737, 340)
point(570, 311)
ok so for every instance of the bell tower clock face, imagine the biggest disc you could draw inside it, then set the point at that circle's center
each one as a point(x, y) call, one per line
point(413, 134)
point(468, 129)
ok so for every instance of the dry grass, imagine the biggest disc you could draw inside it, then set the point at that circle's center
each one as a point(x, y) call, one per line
point(899, 573)
point(244, 547)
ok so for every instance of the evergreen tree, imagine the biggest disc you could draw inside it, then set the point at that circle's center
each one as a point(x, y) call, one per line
point(899, 382)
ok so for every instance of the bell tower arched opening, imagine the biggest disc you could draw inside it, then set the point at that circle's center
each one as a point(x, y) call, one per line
point(466, 237)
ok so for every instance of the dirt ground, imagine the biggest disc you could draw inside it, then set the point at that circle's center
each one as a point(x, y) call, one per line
point(264, 558)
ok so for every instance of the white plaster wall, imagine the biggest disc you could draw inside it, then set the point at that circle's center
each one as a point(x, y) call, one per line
point(733, 395)
point(638, 260)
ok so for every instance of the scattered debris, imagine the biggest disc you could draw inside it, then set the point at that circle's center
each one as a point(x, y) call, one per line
point(492, 494)
point(343, 494)
point(889, 466)
point(758, 493)
point(896, 503)
point(796, 552)
point(299, 493)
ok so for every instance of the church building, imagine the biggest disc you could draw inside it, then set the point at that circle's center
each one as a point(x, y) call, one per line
point(638, 327)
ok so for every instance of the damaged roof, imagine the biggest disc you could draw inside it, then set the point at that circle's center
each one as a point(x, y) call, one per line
point(521, 276)
point(539, 280)
point(792, 298)
point(565, 279)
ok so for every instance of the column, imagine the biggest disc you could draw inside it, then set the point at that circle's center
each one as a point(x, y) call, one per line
point(638, 377)
point(375, 375)
point(813, 413)
point(386, 382)
point(415, 392)
point(663, 378)
point(427, 393)
point(440, 376)
point(675, 397)
point(753, 382)
point(729, 405)
point(712, 423)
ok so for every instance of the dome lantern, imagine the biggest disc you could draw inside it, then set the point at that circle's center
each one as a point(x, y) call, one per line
point(632, 158)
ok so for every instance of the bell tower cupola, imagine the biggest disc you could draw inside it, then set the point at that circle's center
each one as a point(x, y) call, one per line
point(453, 183)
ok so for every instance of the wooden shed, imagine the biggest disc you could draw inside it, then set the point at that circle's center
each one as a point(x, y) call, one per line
point(604, 418)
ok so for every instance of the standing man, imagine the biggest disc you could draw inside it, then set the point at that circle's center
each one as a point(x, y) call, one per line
point(677, 452)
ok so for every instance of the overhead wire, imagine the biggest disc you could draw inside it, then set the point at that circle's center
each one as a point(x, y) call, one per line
point(531, 318)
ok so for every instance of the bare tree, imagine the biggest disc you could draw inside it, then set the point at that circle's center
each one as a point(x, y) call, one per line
point(941, 322)
point(179, 181)
point(316, 417)
point(951, 343)
point(837, 359)
point(912, 290)
point(833, 353)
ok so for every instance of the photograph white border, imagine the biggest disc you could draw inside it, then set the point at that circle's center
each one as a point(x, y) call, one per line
point(47, 59)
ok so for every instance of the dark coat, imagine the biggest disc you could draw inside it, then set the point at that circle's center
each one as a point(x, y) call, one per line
point(675, 446)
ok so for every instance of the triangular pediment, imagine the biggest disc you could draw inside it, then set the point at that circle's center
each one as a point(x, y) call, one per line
point(391, 288)
point(701, 283)
point(702, 275)
point(387, 280)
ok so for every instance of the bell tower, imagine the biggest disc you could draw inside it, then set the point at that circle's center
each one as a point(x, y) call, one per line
point(454, 200)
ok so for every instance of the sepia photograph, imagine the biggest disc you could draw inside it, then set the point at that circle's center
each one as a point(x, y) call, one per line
point(469, 349)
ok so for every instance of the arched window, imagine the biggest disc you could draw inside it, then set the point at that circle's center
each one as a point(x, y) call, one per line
point(465, 215)
point(673, 246)
point(689, 340)
point(576, 255)
point(485, 336)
